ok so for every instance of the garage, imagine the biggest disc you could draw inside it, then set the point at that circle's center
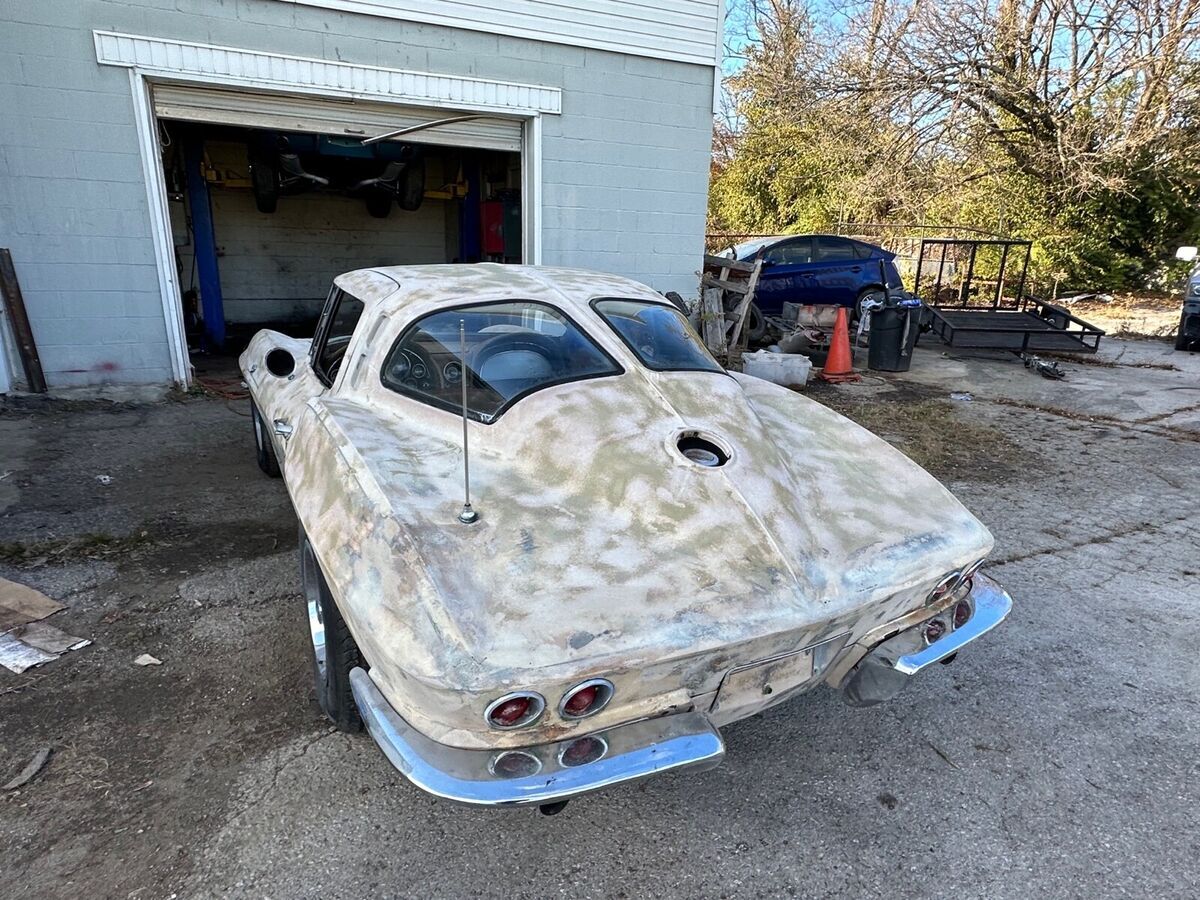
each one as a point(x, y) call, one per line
point(270, 195)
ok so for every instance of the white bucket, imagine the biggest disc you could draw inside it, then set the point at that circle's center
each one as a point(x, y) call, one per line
point(788, 369)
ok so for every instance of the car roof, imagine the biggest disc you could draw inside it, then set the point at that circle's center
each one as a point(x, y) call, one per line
point(395, 287)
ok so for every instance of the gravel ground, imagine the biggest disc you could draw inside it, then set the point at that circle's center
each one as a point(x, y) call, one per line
point(1057, 757)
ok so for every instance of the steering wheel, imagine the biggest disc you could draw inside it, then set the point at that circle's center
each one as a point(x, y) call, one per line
point(333, 353)
point(510, 342)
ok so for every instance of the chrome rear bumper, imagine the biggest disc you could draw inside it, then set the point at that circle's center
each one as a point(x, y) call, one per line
point(547, 773)
point(886, 669)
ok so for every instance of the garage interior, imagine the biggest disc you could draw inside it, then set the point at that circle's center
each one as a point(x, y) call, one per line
point(271, 196)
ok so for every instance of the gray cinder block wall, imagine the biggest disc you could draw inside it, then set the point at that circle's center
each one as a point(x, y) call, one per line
point(625, 167)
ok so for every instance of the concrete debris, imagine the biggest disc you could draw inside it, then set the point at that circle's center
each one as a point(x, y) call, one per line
point(147, 660)
point(104, 479)
point(27, 774)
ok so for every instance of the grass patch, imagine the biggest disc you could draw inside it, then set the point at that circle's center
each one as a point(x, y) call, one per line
point(933, 434)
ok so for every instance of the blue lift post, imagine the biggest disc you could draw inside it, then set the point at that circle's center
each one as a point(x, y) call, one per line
point(211, 302)
point(470, 219)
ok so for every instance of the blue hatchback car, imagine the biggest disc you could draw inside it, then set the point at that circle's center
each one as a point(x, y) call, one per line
point(817, 269)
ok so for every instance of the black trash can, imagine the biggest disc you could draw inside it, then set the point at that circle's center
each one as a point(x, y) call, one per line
point(894, 330)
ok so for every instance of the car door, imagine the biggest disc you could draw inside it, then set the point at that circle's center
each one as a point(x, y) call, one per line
point(293, 372)
point(837, 271)
point(786, 275)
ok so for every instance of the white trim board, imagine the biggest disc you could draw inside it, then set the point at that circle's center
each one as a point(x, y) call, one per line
point(298, 74)
point(678, 30)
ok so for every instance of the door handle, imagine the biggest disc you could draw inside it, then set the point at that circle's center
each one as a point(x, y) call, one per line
point(283, 429)
point(856, 268)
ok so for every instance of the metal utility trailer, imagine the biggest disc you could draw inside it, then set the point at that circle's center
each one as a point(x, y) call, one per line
point(1008, 320)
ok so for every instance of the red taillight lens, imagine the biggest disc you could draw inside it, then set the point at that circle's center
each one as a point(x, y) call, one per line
point(515, 710)
point(585, 699)
point(581, 701)
point(962, 613)
point(510, 712)
point(934, 629)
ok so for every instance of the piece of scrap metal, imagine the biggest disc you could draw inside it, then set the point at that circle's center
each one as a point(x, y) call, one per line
point(25, 640)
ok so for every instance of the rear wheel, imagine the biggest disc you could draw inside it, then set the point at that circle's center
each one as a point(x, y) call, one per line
point(412, 185)
point(264, 450)
point(264, 181)
point(334, 652)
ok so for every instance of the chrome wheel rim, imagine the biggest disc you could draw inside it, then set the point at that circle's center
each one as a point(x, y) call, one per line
point(312, 598)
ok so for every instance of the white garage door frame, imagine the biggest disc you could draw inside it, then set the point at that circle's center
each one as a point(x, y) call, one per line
point(155, 60)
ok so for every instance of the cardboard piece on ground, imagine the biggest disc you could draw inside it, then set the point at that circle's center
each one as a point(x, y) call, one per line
point(20, 604)
point(17, 656)
point(48, 638)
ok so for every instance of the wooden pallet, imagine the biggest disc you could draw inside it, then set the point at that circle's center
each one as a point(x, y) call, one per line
point(727, 289)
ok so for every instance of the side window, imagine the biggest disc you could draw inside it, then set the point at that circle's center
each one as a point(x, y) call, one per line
point(835, 249)
point(334, 331)
point(513, 348)
point(797, 252)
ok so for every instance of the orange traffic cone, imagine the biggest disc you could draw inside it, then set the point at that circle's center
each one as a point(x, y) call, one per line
point(839, 365)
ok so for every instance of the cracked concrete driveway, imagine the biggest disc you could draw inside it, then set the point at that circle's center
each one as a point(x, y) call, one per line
point(1058, 757)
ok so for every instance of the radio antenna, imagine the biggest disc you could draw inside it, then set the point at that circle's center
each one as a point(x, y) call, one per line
point(468, 515)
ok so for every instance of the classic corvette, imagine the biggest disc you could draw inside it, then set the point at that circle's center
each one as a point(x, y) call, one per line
point(549, 545)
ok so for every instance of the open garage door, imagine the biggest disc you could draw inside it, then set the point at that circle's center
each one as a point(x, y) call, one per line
point(318, 115)
point(272, 195)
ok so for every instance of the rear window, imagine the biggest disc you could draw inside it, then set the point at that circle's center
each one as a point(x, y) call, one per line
point(658, 335)
point(513, 348)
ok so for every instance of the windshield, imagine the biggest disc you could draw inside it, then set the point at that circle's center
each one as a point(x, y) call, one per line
point(658, 335)
point(513, 348)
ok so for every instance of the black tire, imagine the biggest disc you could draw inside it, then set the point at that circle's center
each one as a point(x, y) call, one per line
point(412, 185)
point(264, 450)
point(379, 205)
point(1181, 339)
point(333, 652)
point(756, 325)
point(264, 180)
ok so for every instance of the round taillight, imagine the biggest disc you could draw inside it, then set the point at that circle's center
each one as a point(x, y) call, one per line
point(582, 751)
point(514, 710)
point(580, 702)
point(934, 629)
point(943, 588)
point(514, 764)
point(962, 613)
point(968, 575)
point(585, 699)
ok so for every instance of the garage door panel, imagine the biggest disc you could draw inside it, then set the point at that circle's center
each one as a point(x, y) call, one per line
point(282, 112)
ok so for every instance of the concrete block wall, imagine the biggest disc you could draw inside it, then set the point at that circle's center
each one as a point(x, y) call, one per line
point(279, 266)
point(625, 167)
